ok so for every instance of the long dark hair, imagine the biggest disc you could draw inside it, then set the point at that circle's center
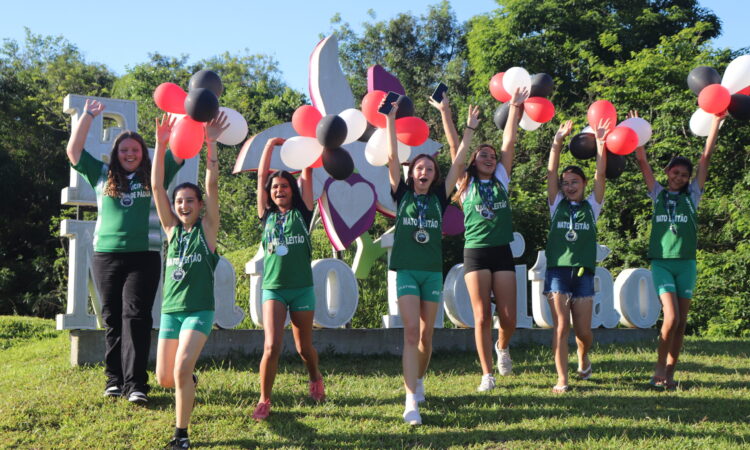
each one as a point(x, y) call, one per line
point(471, 172)
point(117, 177)
point(297, 201)
point(686, 163)
point(410, 180)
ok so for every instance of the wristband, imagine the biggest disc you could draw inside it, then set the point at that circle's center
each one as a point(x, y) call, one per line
point(471, 128)
point(90, 113)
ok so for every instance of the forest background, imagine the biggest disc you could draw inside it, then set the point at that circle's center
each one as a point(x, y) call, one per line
point(635, 53)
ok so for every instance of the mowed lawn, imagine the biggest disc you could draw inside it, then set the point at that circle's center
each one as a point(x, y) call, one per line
point(46, 403)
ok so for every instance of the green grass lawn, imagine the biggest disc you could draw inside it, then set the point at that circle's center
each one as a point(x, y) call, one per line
point(46, 403)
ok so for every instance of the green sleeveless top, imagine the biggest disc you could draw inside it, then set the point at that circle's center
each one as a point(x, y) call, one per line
point(576, 248)
point(674, 225)
point(189, 275)
point(407, 253)
point(288, 231)
point(487, 214)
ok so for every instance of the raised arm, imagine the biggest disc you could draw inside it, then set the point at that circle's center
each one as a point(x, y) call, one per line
point(394, 166)
point(161, 199)
point(306, 187)
point(508, 149)
point(458, 168)
point(705, 160)
point(553, 186)
point(263, 168)
point(600, 177)
point(214, 128)
point(91, 109)
point(446, 115)
point(642, 160)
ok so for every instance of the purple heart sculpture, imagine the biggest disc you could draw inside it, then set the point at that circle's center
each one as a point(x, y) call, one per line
point(347, 208)
point(378, 79)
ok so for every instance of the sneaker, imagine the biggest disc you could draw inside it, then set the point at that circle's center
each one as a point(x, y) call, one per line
point(138, 397)
point(411, 414)
point(317, 390)
point(178, 443)
point(419, 391)
point(504, 363)
point(487, 384)
point(113, 391)
point(262, 410)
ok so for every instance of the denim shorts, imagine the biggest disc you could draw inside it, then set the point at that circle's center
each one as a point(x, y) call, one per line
point(565, 280)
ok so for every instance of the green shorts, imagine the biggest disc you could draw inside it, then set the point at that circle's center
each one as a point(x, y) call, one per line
point(173, 323)
point(674, 275)
point(298, 299)
point(428, 286)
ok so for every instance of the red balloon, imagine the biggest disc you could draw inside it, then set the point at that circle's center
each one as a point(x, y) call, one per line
point(496, 88)
point(622, 140)
point(745, 91)
point(370, 105)
point(714, 99)
point(412, 131)
point(602, 110)
point(187, 138)
point(318, 163)
point(539, 109)
point(170, 97)
point(305, 120)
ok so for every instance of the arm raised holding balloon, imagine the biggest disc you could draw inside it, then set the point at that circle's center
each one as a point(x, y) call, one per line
point(161, 199)
point(600, 177)
point(705, 160)
point(394, 167)
point(507, 151)
point(263, 168)
point(642, 160)
point(214, 128)
point(554, 160)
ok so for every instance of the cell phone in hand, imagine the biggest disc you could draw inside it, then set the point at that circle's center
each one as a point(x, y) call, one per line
point(437, 95)
point(386, 107)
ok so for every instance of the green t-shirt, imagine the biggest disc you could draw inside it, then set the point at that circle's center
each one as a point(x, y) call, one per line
point(290, 231)
point(674, 224)
point(487, 215)
point(576, 248)
point(407, 253)
point(189, 275)
point(123, 224)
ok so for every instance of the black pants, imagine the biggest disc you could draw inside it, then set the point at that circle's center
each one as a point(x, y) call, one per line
point(127, 283)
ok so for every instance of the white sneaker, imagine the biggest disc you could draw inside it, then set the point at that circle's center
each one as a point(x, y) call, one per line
point(504, 363)
point(419, 391)
point(138, 397)
point(487, 384)
point(411, 414)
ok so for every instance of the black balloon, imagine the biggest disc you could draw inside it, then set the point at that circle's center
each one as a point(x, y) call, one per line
point(201, 105)
point(500, 117)
point(338, 163)
point(331, 131)
point(583, 146)
point(542, 85)
point(206, 79)
point(739, 107)
point(367, 133)
point(701, 77)
point(615, 165)
point(405, 107)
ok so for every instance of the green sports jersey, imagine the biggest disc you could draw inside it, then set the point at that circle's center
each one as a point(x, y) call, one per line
point(487, 214)
point(576, 248)
point(287, 249)
point(674, 224)
point(407, 253)
point(128, 223)
point(189, 274)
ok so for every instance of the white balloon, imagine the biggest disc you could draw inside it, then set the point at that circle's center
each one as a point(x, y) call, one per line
point(700, 122)
point(588, 129)
point(516, 77)
point(641, 127)
point(237, 131)
point(404, 152)
point(355, 124)
point(299, 152)
point(737, 75)
point(376, 150)
point(527, 124)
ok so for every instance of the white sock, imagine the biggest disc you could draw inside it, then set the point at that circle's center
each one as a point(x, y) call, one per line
point(410, 399)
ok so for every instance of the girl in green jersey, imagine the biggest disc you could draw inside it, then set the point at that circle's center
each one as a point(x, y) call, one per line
point(188, 305)
point(571, 252)
point(672, 248)
point(286, 212)
point(417, 254)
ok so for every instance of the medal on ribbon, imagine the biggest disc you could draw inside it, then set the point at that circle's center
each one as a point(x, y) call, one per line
point(421, 235)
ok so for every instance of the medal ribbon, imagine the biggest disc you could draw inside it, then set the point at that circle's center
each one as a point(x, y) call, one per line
point(182, 245)
point(487, 194)
point(276, 231)
point(422, 205)
point(670, 204)
point(573, 211)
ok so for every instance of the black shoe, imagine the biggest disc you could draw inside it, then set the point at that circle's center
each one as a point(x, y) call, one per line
point(138, 397)
point(113, 391)
point(178, 443)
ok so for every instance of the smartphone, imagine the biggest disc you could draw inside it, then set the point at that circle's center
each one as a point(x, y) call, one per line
point(386, 107)
point(437, 95)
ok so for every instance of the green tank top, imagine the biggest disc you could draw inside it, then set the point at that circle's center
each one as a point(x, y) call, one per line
point(487, 215)
point(287, 250)
point(674, 229)
point(407, 253)
point(571, 241)
point(189, 274)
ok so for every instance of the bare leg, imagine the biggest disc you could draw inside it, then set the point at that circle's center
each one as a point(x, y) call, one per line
point(427, 313)
point(478, 283)
point(678, 338)
point(191, 344)
point(302, 325)
point(408, 307)
point(582, 310)
point(668, 329)
point(274, 315)
point(558, 304)
point(504, 288)
point(165, 356)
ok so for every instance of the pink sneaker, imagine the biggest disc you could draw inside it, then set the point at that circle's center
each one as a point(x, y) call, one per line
point(262, 410)
point(317, 390)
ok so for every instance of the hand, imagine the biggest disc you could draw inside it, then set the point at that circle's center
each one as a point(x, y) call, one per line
point(273, 142)
point(602, 130)
point(394, 109)
point(519, 96)
point(93, 107)
point(632, 113)
point(164, 128)
point(472, 120)
point(563, 131)
point(216, 126)
point(443, 106)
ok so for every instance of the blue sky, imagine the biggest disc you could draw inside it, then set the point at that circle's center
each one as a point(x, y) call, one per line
point(123, 34)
